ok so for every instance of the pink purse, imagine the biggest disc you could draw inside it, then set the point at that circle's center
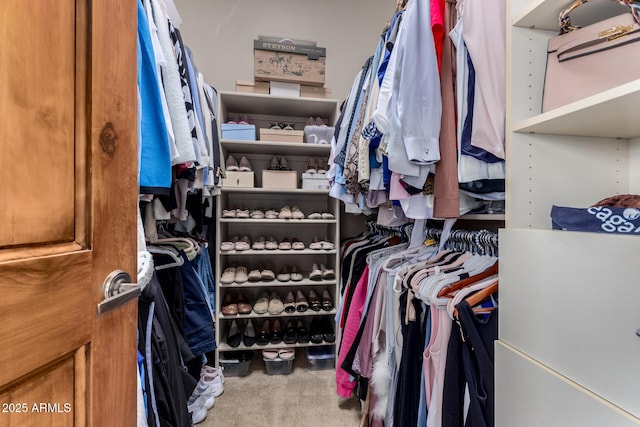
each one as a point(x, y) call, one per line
point(585, 61)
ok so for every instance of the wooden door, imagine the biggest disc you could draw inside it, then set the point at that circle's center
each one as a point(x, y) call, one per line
point(68, 191)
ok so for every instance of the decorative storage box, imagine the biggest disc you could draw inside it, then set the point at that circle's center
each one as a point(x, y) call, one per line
point(314, 92)
point(278, 366)
point(248, 86)
point(238, 179)
point(238, 132)
point(279, 135)
point(279, 179)
point(315, 181)
point(318, 134)
point(288, 62)
point(320, 358)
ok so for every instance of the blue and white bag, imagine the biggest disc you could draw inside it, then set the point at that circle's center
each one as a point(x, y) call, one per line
point(598, 219)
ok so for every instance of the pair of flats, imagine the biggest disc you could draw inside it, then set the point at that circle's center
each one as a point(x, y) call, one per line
point(262, 243)
point(261, 274)
point(236, 243)
point(269, 303)
point(287, 244)
point(234, 274)
point(235, 304)
point(315, 121)
point(236, 213)
point(290, 212)
point(321, 215)
point(282, 126)
point(241, 333)
point(317, 244)
point(232, 165)
point(280, 164)
point(279, 353)
point(238, 119)
point(289, 273)
point(321, 330)
point(316, 165)
point(270, 333)
point(321, 273)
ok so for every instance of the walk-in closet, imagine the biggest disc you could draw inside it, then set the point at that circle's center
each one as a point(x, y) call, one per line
point(365, 213)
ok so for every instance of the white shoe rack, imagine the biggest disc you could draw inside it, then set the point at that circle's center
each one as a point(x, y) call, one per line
point(263, 110)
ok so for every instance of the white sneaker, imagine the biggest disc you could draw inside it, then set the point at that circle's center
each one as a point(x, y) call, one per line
point(211, 371)
point(207, 401)
point(198, 414)
point(214, 383)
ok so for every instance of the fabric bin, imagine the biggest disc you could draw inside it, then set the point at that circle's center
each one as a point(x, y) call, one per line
point(315, 181)
point(318, 134)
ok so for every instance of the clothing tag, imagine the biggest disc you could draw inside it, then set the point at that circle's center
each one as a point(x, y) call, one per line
point(430, 242)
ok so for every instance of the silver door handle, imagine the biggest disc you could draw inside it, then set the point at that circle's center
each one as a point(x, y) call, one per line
point(117, 290)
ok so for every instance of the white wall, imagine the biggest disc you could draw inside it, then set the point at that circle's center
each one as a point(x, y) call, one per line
point(221, 33)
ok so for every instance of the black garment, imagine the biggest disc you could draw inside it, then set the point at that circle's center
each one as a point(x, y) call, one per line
point(407, 398)
point(454, 382)
point(480, 332)
point(483, 186)
point(171, 383)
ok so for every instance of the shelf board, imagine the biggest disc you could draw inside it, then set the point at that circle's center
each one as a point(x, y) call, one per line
point(544, 14)
point(260, 190)
point(242, 347)
point(275, 283)
point(483, 217)
point(289, 106)
point(282, 148)
point(609, 114)
point(278, 221)
point(281, 252)
point(253, 315)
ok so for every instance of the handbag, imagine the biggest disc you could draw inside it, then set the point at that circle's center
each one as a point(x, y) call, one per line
point(585, 61)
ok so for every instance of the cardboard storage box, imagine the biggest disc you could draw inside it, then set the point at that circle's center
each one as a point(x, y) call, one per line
point(279, 179)
point(315, 181)
point(284, 89)
point(314, 92)
point(278, 366)
point(279, 135)
point(248, 86)
point(320, 358)
point(238, 179)
point(238, 132)
point(287, 62)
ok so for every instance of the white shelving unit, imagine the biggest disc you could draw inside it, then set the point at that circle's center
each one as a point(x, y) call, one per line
point(263, 110)
point(567, 351)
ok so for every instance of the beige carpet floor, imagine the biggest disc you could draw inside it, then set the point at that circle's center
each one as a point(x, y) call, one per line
point(302, 398)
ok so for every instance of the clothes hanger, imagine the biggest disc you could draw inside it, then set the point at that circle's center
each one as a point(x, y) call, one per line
point(451, 289)
point(477, 297)
point(171, 253)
